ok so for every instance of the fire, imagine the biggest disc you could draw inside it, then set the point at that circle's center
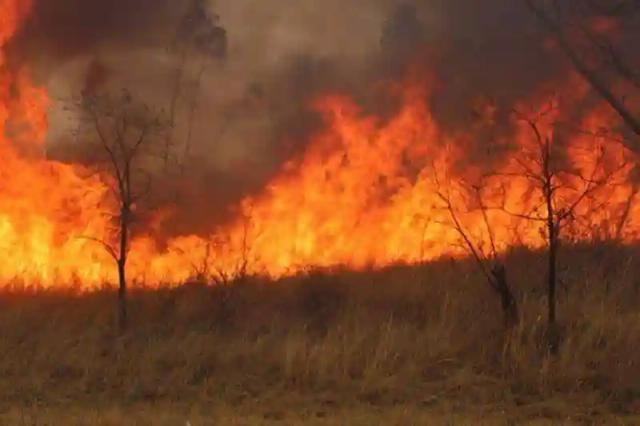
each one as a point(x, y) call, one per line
point(365, 193)
point(44, 205)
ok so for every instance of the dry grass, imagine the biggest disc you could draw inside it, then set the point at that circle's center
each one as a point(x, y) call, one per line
point(402, 346)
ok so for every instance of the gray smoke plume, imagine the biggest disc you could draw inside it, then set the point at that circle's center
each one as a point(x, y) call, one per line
point(238, 75)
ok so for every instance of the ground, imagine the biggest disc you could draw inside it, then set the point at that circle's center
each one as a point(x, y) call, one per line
point(402, 346)
point(308, 414)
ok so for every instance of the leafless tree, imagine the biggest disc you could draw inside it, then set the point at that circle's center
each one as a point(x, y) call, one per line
point(199, 40)
point(593, 53)
point(122, 143)
point(558, 191)
point(488, 260)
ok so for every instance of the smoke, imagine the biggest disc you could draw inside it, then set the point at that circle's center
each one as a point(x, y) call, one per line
point(241, 92)
point(60, 30)
point(493, 50)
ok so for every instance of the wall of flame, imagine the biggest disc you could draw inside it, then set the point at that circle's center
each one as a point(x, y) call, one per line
point(365, 193)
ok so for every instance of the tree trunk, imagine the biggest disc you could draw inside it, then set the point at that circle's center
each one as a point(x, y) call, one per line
point(553, 333)
point(553, 229)
point(122, 295)
point(122, 268)
point(551, 282)
point(508, 301)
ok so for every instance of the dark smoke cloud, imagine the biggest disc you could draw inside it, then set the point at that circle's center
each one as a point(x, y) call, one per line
point(474, 49)
point(251, 106)
point(64, 29)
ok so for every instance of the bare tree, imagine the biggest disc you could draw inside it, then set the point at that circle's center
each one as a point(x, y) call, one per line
point(122, 147)
point(558, 190)
point(593, 53)
point(198, 41)
point(488, 260)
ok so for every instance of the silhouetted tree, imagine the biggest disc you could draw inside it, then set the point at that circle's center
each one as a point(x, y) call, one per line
point(199, 40)
point(559, 188)
point(488, 260)
point(123, 146)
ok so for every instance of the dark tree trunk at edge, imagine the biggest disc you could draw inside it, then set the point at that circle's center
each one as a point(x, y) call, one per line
point(122, 269)
point(508, 300)
point(122, 296)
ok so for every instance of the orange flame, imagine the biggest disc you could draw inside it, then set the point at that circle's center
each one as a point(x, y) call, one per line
point(366, 192)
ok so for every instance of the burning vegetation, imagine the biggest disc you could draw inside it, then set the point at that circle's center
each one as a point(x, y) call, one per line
point(437, 151)
point(368, 189)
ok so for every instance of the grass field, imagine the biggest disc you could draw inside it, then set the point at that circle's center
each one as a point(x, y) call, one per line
point(403, 346)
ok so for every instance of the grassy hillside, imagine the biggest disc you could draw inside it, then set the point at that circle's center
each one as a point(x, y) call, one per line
point(408, 345)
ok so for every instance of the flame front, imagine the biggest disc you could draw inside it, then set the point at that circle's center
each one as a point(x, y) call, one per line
point(365, 193)
point(369, 193)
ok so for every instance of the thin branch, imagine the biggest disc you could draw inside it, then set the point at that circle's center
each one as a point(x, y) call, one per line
point(108, 248)
point(457, 225)
point(594, 80)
